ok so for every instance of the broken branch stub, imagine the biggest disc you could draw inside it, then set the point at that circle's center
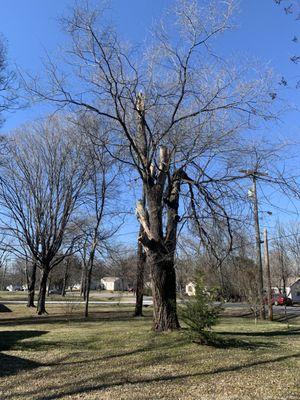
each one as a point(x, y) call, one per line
point(142, 217)
point(163, 158)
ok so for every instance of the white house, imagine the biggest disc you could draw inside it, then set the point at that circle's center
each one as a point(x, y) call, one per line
point(293, 290)
point(112, 283)
point(190, 289)
point(14, 288)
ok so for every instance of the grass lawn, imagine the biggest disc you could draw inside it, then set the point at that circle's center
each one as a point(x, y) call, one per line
point(114, 356)
point(103, 295)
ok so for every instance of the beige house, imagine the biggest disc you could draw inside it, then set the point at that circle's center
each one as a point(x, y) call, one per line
point(112, 283)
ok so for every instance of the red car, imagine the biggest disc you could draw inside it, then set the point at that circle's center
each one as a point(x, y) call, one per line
point(278, 299)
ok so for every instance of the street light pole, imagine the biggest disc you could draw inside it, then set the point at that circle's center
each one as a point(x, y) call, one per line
point(258, 250)
point(254, 174)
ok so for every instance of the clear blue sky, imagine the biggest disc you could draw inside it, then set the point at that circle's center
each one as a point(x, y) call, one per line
point(263, 31)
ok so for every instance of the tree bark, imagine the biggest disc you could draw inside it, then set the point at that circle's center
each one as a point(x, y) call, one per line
point(49, 285)
point(31, 286)
point(41, 306)
point(83, 279)
point(160, 247)
point(141, 262)
point(163, 277)
point(87, 292)
point(88, 279)
point(66, 275)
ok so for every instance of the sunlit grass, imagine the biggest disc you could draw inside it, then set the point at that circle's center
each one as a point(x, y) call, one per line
point(114, 356)
point(70, 296)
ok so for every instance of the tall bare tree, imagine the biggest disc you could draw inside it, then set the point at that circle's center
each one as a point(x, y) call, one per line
point(175, 109)
point(42, 180)
point(101, 201)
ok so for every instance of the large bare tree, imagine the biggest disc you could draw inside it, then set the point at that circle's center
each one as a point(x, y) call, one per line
point(42, 180)
point(174, 107)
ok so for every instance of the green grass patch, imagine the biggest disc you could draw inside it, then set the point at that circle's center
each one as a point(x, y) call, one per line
point(114, 356)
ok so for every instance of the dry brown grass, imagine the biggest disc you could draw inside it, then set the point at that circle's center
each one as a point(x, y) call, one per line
point(113, 356)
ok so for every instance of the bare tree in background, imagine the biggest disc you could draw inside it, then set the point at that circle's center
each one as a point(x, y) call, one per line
point(8, 95)
point(43, 178)
point(101, 201)
point(292, 240)
point(280, 262)
point(4, 255)
point(174, 108)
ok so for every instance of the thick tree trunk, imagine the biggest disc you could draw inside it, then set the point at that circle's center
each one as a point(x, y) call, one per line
point(41, 306)
point(160, 247)
point(31, 286)
point(164, 290)
point(141, 262)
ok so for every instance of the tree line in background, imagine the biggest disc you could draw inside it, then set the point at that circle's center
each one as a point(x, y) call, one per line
point(170, 116)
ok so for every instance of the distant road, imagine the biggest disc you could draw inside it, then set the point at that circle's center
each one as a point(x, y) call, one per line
point(147, 301)
point(130, 300)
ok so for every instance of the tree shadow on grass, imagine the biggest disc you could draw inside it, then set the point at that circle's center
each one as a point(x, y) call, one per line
point(4, 308)
point(288, 332)
point(86, 389)
point(10, 339)
point(10, 365)
point(228, 343)
point(286, 318)
point(216, 340)
point(98, 316)
point(148, 348)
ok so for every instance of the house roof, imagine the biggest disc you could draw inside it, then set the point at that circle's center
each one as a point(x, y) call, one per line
point(110, 278)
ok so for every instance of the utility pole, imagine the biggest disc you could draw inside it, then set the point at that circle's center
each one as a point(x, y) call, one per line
point(254, 174)
point(267, 266)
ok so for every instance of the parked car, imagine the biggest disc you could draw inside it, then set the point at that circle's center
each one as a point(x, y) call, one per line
point(278, 299)
point(14, 288)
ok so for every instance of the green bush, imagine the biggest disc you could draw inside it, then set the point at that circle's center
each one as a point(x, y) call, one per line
point(200, 313)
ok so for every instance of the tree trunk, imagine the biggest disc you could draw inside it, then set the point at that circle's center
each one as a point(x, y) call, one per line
point(31, 286)
point(88, 280)
point(163, 277)
point(87, 292)
point(49, 285)
point(141, 262)
point(161, 248)
point(64, 286)
point(83, 280)
point(85, 284)
point(41, 306)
